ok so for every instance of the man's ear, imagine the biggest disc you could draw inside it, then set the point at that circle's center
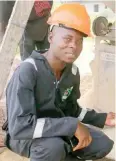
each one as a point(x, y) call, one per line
point(50, 36)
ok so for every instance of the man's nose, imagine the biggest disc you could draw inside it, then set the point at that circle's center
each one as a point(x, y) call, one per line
point(73, 45)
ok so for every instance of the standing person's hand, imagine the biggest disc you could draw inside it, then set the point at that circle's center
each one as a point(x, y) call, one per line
point(83, 135)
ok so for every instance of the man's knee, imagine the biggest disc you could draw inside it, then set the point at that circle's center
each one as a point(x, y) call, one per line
point(106, 147)
point(48, 149)
point(100, 146)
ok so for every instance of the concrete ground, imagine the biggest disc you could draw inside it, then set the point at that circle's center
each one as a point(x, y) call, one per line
point(86, 92)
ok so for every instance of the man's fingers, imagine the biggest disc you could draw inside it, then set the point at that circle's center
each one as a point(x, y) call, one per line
point(87, 142)
point(90, 139)
point(83, 144)
point(79, 146)
point(113, 114)
point(113, 122)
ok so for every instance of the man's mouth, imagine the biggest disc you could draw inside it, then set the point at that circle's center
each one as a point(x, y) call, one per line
point(71, 54)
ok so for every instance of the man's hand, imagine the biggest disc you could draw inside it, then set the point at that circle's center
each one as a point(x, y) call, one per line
point(111, 119)
point(83, 135)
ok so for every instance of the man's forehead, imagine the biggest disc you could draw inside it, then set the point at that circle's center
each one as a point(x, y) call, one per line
point(66, 31)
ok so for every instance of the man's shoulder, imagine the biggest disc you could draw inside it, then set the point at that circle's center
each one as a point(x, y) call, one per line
point(27, 68)
point(75, 69)
point(29, 64)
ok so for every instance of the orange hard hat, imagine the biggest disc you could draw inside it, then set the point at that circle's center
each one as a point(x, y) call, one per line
point(71, 15)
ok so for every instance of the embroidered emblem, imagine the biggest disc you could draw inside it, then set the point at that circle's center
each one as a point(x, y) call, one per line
point(67, 92)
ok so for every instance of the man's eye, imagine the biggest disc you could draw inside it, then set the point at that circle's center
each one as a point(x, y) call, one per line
point(80, 41)
point(67, 39)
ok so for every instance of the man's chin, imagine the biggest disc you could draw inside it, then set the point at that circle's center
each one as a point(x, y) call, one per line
point(69, 61)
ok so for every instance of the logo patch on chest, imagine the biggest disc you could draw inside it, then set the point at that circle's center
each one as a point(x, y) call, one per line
point(67, 92)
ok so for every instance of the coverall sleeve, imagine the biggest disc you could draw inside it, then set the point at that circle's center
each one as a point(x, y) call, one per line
point(86, 115)
point(23, 121)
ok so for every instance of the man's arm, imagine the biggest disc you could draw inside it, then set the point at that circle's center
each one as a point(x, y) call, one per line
point(22, 117)
point(86, 115)
point(91, 117)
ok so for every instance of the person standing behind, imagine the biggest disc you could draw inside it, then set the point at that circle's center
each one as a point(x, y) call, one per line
point(36, 30)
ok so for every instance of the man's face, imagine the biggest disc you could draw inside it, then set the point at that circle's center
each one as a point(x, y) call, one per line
point(66, 44)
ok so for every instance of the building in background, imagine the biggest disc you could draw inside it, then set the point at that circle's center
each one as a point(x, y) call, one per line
point(92, 7)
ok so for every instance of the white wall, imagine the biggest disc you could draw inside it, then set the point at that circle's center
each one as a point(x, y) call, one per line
point(89, 5)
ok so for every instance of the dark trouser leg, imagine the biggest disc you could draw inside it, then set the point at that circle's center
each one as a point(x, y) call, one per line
point(43, 149)
point(21, 147)
point(53, 149)
point(47, 149)
point(100, 146)
point(27, 45)
point(45, 44)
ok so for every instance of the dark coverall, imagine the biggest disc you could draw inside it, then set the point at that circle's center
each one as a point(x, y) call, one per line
point(36, 128)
